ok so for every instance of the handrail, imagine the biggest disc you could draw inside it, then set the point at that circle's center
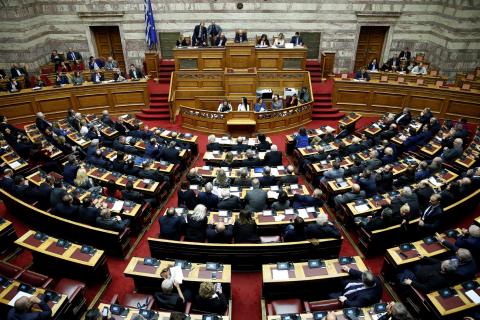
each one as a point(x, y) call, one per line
point(170, 98)
point(322, 62)
point(310, 85)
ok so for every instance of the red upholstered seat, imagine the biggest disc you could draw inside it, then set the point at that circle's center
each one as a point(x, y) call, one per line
point(134, 300)
point(9, 270)
point(323, 305)
point(71, 288)
point(270, 239)
point(35, 279)
point(189, 309)
point(278, 307)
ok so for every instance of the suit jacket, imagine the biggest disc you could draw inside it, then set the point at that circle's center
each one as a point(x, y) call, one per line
point(209, 200)
point(216, 305)
point(369, 185)
point(241, 38)
point(88, 215)
point(365, 297)
point(138, 72)
point(267, 181)
point(232, 204)
point(220, 42)
point(373, 164)
point(7, 184)
point(256, 200)
point(213, 146)
point(187, 199)
point(297, 40)
point(198, 37)
point(360, 75)
point(423, 195)
point(66, 211)
point(56, 196)
point(43, 195)
point(132, 195)
point(195, 230)
point(317, 231)
point(171, 227)
point(74, 55)
point(171, 155)
point(93, 78)
point(288, 179)
point(18, 86)
point(112, 224)
point(14, 72)
point(214, 237)
point(273, 158)
point(42, 124)
point(429, 278)
point(303, 201)
point(239, 147)
point(452, 154)
point(433, 220)
point(245, 233)
point(405, 54)
point(45, 314)
point(403, 119)
point(334, 174)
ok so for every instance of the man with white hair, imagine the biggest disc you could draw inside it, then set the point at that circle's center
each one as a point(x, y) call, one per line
point(290, 177)
point(273, 157)
point(322, 228)
point(240, 146)
point(212, 145)
point(41, 123)
point(468, 239)
point(207, 198)
point(267, 180)
point(228, 201)
point(303, 201)
point(256, 199)
point(430, 275)
point(242, 180)
point(388, 156)
point(450, 155)
point(106, 118)
point(373, 163)
point(355, 194)
point(168, 299)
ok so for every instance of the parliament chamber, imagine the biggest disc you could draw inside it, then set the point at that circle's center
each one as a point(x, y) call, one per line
point(322, 168)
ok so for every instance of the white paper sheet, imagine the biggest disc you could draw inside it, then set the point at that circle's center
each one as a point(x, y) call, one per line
point(433, 181)
point(22, 294)
point(279, 217)
point(274, 172)
point(177, 274)
point(117, 206)
point(14, 164)
point(302, 213)
point(362, 208)
point(280, 274)
point(272, 195)
point(310, 209)
point(472, 295)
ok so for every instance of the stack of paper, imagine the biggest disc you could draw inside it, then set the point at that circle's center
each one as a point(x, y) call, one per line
point(272, 194)
point(433, 181)
point(362, 208)
point(117, 206)
point(302, 213)
point(14, 164)
point(280, 274)
point(472, 295)
point(177, 274)
point(274, 172)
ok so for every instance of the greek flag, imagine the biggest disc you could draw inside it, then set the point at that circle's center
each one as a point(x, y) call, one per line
point(150, 33)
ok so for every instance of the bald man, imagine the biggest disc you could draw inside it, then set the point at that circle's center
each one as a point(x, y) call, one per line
point(22, 309)
point(219, 233)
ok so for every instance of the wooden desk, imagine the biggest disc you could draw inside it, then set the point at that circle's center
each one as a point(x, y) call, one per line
point(13, 160)
point(36, 136)
point(8, 293)
point(118, 98)
point(208, 172)
point(147, 278)
point(367, 315)
point(452, 307)
point(218, 156)
point(161, 166)
point(374, 97)
point(162, 315)
point(68, 262)
point(7, 235)
point(350, 119)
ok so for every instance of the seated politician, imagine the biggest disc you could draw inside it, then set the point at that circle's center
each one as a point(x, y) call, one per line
point(245, 228)
point(295, 231)
point(228, 201)
point(221, 40)
point(297, 39)
point(77, 78)
point(96, 76)
point(363, 289)
point(362, 75)
point(116, 223)
point(260, 106)
point(279, 41)
point(135, 73)
point(208, 198)
point(322, 228)
point(225, 106)
point(196, 227)
point(210, 299)
point(171, 225)
point(263, 41)
point(23, 309)
point(219, 233)
point(240, 36)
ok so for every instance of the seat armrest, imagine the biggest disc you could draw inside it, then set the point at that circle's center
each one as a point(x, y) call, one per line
point(188, 307)
point(125, 233)
point(306, 305)
point(48, 283)
point(270, 310)
point(325, 305)
point(114, 299)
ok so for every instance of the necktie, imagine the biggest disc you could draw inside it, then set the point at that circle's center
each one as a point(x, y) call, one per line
point(353, 287)
point(297, 41)
point(427, 212)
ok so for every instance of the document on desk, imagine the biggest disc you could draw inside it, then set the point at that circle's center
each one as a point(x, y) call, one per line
point(472, 295)
point(274, 172)
point(117, 206)
point(433, 181)
point(14, 165)
point(177, 274)
point(272, 194)
point(302, 213)
point(280, 274)
point(21, 294)
point(362, 208)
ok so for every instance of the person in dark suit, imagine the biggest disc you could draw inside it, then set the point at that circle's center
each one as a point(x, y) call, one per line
point(431, 217)
point(322, 228)
point(373, 65)
point(245, 228)
point(22, 309)
point(240, 36)
point(212, 145)
point(7, 182)
point(66, 208)
point(134, 72)
point(449, 155)
point(96, 76)
point(263, 144)
point(106, 221)
point(373, 162)
point(362, 74)
point(186, 197)
point(256, 199)
point(368, 182)
point(22, 189)
point(61, 78)
point(252, 160)
point(44, 191)
point(13, 85)
point(219, 233)
point(375, 222)
point(41, 123)
point(73, 55)
point(303, 201)
point(429, 275)
point(221, 40)
point(210, 299)
point(297, 39)
point(267, 180)
point(131, 169)
point(404, 118)
point(105, 118)
point(424, 191)
point(240, 146)
point(362, 290)
point(171, 154)
point(228, 201)
point(290, 177)
point(196, 227)
point(57, 193)
point(296, 231)
point(88, 212)
point(17, 71)
point(171, 225)
point(405, 54)
point(98, 160)
point(468, 239)
point(199, 37)
point(273, 157)
point(207, 198)
point(425, 116)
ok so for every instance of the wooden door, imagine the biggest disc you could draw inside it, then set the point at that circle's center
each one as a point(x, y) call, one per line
point(109, 43)
point(370, 45)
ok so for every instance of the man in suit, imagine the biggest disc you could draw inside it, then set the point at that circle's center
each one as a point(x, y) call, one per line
point(251, 161)
point(73, 55)
point(240, 146)
point(22, 309)
point(362, 75)
point(267, 180)
point(242, 180)
point(219, 233)
point(388, 156)
point(17, 71)
point(107, 119)
point(229, 202)
point(21, 189)
point(88, 212)
point(290, 177)
point(66, 208)
point(171, 154)
point(363, 289)
point(297, 40)
point(405, 54)
point(171, 225)
point(135, 73)
point(334, 173)
point(322, 228)
point(57, 193)
point(450, 155)
point(7, 182)
point(96, 76)
point(98, 160)
point(207, 198)
point(431, 217)
point(273, 157)
point(221, 40)
point(106, 221)
point(469, 239)
point(355, 194)
point(373, 162)
point(393, 63)
point(430, 275)
point(213, 31)
point(240, 36)
point(403, 119)
point(199, 37)
point(375, 222)
point(129, 194)
point(256, 199)
point(368, 182)
point(41, 123)
point(303, 201)
point(44, 191)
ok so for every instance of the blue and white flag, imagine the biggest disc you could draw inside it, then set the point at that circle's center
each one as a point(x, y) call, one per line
point(150, 32)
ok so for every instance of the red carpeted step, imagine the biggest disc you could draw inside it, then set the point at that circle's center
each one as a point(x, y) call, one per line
point(323, 111)
point(322, 98)
point(322, 103)
point(159, 105)
point(335, 116)
point(156, 111)
point(152, 117)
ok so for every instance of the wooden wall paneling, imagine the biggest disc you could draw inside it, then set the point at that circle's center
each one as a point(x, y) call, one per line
point(457, 108)
point(240, 56)
point(152, 60)
point(19, 110)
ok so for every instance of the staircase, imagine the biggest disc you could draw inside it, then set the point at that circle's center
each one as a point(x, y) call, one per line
point(322, 94)
point(159, 107)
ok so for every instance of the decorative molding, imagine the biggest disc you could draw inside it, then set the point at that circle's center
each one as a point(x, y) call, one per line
point(376, 14)
point(101, 14)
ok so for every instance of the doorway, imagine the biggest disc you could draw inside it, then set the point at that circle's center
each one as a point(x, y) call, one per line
point(370, 45)
point(109, 43)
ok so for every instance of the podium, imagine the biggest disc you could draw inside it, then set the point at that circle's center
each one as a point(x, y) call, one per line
point(241, 123)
